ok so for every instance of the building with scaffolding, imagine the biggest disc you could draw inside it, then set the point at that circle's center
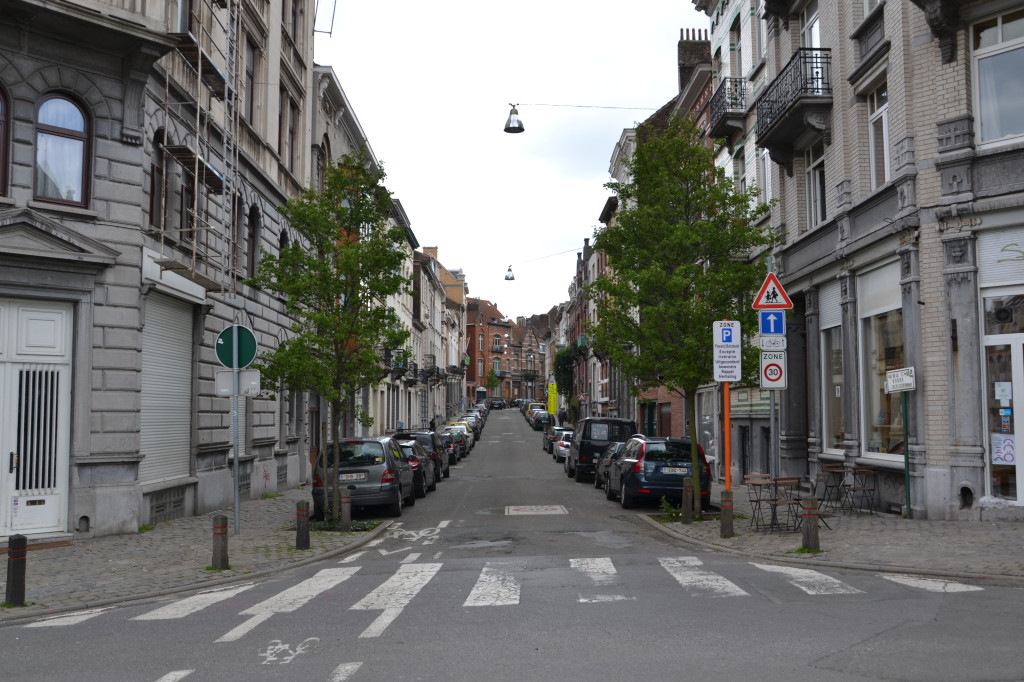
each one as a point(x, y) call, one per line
point(144, 148)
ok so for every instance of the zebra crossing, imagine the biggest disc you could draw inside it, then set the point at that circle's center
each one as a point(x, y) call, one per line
point(498, 584)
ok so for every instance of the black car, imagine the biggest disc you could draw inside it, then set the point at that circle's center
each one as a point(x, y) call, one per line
point(451, 448)
point(434, 446)
point(424, 470)
point(592, 435)
point(651, 467)
point(497, 404)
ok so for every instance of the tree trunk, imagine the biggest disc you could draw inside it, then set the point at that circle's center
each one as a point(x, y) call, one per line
point(694, 452)
point(337, 418)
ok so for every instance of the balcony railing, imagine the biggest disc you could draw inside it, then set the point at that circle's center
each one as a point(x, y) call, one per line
point(728, 104)
point(808, 74)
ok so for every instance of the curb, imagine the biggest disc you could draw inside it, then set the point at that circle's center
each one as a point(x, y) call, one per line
point(337, 551)
point(997, 579)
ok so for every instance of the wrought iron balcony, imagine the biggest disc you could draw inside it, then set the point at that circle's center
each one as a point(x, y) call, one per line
point(728, 107)
point(798, 100)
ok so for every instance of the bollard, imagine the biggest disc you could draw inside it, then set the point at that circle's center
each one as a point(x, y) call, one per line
point(220, 542)
point(17, 548)
point(726, 517)
point(346, 509)
point(302, 525)
point(810, 523)
point(687, 510)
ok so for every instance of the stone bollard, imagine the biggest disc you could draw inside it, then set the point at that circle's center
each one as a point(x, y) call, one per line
point(687, 510)
point(726, 517)
point(302, 525)
point(17, 548)
point(346, 509)
point(810, 523)
point(220, 542)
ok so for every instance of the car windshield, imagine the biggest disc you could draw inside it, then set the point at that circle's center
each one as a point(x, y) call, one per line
point(358, 453)
point(671, 451)
point(609, 431)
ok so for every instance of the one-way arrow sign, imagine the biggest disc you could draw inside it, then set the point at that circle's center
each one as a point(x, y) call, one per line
point(773, 322)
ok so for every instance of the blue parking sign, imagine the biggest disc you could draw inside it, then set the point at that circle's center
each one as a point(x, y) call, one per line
point(772, 322)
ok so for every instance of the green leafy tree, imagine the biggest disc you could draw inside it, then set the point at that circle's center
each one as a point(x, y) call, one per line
point(334, 280)
point(679, 258)
point(493, 382)
point(563, 370)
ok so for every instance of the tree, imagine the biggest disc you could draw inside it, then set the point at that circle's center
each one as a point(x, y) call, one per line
point(682, 253)
point(493, 382)
point(563, 370)
point(335, 280)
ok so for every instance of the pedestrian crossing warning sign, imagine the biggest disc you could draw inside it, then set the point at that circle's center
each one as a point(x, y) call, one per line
point(772, 296)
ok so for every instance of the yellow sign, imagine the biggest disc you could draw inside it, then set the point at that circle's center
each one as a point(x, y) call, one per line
point(552, 399)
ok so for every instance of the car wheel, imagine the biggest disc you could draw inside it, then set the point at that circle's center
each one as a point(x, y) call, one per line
point(625, 499)
point(433, 484)
point(608, 494)
point(411, 499)
point(597, 480)
point(395, 508)
point(419, 486)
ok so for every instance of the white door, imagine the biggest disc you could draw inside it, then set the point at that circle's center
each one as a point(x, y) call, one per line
point(35, 392)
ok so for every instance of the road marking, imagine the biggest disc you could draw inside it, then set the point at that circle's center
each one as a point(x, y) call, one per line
point(684, 570)
point(175, 676)
point(601, 572)
point(352, 557)
point(931, 584)
point(394, 595)
point(289, 600)
point(811, 582)
point(413, 556)
point(496, 586)
point(196, 602)
point(344, 671)
point(70, 619)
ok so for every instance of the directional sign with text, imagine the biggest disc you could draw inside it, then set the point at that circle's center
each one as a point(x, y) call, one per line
point(773, 369)
point(772, 322)
point(726, 342)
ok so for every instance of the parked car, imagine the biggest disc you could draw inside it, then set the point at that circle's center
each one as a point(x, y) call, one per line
point(458, 434)
point(467, 431)
point(592, 435)
point(474, 420)
point(652, 467)
point(469, 428)
point(375, 471)
point(497, 404)
point(561, 446)
point(531, 405)
point(541, 420)
point(605, 463)
point(432, 443)
point(451, 449)
point(423, 469)
point(551, 435)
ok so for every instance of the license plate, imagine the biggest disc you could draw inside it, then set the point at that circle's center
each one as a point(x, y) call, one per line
point(674, 470)
point(352, 477)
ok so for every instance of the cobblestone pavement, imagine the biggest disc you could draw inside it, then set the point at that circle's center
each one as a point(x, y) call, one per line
point(174, 556)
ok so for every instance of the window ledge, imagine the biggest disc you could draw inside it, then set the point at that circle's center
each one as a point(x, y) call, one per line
point(61, 208)
point(7, 201)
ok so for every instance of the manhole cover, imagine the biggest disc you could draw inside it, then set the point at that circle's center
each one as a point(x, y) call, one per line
point(534, 510)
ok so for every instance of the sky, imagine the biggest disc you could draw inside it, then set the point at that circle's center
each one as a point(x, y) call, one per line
point(431, 84)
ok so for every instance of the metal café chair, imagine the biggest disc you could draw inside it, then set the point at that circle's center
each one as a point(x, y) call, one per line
point(862, 492)
point(785, 504)
point(758, 490)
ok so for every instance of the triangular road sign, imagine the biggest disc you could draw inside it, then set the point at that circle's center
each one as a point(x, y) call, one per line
point(771, 295)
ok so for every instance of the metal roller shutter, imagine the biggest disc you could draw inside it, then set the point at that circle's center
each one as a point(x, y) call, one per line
point(167, 349)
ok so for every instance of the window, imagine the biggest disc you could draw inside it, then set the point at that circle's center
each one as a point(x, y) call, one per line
point(832, 370)
point(253, 241)
point(318, 169)
point(293, 133)
point(739, 165)
point(251, 52)
point(814, 159)
point(764, 175)
point(759, 32)
point(999, 72)
point(187, 224)
point(810, 26)
point(156, 182)
point(878, 134)
point(480, 341)
point(882, 340)
point(480, 368)
point(3, 143)
point(296, 23)
point(61, 151)
point(736, 38)
point(496, 365)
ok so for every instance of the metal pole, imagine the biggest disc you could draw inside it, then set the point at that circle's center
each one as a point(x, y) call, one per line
point(726, 457)
point(906, 458)
point(234, 426)
point(773, 463)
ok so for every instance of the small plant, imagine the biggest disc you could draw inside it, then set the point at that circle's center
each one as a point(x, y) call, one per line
point(8, 605)
point(218, 570)
point(270, 496)
point(147, 527)
point(671, 512)
point(804, 550)
point(355, 526)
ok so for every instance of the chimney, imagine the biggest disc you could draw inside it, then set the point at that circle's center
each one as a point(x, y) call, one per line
point(430, 251)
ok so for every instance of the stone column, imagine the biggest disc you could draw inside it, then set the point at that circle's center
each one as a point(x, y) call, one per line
point(851, 361)
point(815, 428)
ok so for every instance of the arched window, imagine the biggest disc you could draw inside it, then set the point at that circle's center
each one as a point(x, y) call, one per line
point(4, 113)
point(62, 149)
point(252, 239)
point(283, 241)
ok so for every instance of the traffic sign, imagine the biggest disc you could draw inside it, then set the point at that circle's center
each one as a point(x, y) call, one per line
point(726, 341)
point(773, 369)
point(246, 347)
point(773, 342)
point(772, 322)
point(771, 295)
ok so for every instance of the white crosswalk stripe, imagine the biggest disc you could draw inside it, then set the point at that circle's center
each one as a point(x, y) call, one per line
point(930, 584)
point(196, 602)
point(394, 595)
point(496, 586)
point(70, 619)
point(810, 581)
point(686, 572)
point(602, 573)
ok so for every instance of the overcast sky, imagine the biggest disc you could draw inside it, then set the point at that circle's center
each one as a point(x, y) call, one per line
point(431, 82)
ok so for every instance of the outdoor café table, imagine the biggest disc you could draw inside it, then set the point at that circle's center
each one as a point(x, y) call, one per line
point(759, 489)
point(837, 491)
point(785, 504)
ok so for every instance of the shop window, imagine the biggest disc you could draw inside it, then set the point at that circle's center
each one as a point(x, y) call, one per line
point(882, 341)
point(61, 151)
point(998, 61)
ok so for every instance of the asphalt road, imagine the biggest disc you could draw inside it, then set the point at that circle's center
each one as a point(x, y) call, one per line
point(511, 571)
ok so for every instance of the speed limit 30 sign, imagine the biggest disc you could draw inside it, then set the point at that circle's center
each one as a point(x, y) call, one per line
point(773, 369)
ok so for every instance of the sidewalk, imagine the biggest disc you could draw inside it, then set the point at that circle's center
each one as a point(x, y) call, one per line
point(172, 557)
point(965, 550)
point(78, 574)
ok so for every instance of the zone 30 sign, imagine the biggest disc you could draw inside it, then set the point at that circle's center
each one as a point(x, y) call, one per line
point(773, 370)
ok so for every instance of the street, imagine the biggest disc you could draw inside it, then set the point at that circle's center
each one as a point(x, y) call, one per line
point(512, 571)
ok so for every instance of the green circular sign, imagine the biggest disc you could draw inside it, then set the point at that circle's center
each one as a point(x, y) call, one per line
point(246, 347)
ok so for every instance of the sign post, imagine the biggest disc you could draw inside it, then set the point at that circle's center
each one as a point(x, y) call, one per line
point(236, 348)
point(772, 296)
point(728, 366)
point(903, 381)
